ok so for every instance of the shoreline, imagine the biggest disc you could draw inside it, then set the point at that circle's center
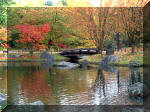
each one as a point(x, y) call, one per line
point(29, 60)
point(95, 63)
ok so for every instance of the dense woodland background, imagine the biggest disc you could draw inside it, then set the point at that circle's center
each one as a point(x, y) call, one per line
point(70, 26)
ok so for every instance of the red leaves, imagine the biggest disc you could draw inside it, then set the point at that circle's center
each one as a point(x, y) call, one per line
point(33, 35)
point(62, 45)
point(5, 45)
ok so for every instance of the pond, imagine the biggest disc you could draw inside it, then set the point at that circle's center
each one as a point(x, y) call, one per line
point(29, 83)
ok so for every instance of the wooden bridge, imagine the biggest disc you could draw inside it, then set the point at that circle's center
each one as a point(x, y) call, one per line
point(75, 54)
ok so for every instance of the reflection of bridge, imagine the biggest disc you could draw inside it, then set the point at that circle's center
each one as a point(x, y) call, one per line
point(75, 54)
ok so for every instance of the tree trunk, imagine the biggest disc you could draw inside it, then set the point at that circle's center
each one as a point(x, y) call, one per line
point(101, 47)
point(31, 52)
point(133, 48)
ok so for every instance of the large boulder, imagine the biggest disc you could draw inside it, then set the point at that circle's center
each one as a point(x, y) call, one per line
point(66, 65)
point(47, 56)
point(2, 99)
point(110, 59)
point(136, 89)
point(49, 60)
point(84, 64)
point(134, 63)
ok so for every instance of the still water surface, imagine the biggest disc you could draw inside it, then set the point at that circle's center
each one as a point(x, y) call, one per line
point(32, 82)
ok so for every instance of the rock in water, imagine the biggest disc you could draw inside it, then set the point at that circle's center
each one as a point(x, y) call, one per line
point(67, 65)
point(47, 56)
point(36, 103)
point(84, 64)
point(49, 60)
point(2, 99)
point(134, 63)
point(136, 89)
point(110, 59)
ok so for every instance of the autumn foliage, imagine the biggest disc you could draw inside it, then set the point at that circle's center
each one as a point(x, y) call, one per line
point(62, 45)
point(32, 36)
point(91, 27)
point(3, 37)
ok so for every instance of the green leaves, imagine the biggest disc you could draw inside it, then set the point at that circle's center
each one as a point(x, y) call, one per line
point(3, 11)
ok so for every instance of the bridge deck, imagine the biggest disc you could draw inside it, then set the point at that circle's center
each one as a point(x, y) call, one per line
point(79, 52)
point(75, 54)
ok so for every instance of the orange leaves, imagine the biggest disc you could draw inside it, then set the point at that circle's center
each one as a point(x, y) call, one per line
point(32, 36)
point(132, 22)
point(3, 34)
point(3, 37)
point(37, 87)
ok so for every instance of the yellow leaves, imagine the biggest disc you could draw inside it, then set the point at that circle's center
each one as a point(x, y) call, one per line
point(3, 34)
point(107, 37)
point(89, 44)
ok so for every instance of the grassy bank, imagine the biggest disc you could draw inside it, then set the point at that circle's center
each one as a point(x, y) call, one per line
point(27, 57)
point(124, 58)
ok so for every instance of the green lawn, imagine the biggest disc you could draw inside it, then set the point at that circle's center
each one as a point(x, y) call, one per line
point(123, 59)
point(58, 57)
point(93, 58)
point(36, 57)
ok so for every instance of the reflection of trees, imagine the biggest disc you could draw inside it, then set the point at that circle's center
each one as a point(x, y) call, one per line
point(100, 81)
point(146, 89)
point(3, 79)
point(135, 75)
point(70, 83)
point(32, 82)
point(34, 85)
point(118, 79)
point(53, 76)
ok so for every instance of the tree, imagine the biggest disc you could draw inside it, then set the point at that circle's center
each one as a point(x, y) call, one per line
point(93, 24)
point(3, 22)
point(146, 23)
point(132, 24)
point(31, 37)
point(3, 11)
point(3, 38)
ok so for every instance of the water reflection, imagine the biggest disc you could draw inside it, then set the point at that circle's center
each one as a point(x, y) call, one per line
point(47, 64)
point(32, 82)
point(109, 68)
point(3, 78)
point(3, 85)
point(107, 86)
point(136, 83)
point(146, 89)
point(136, 76)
